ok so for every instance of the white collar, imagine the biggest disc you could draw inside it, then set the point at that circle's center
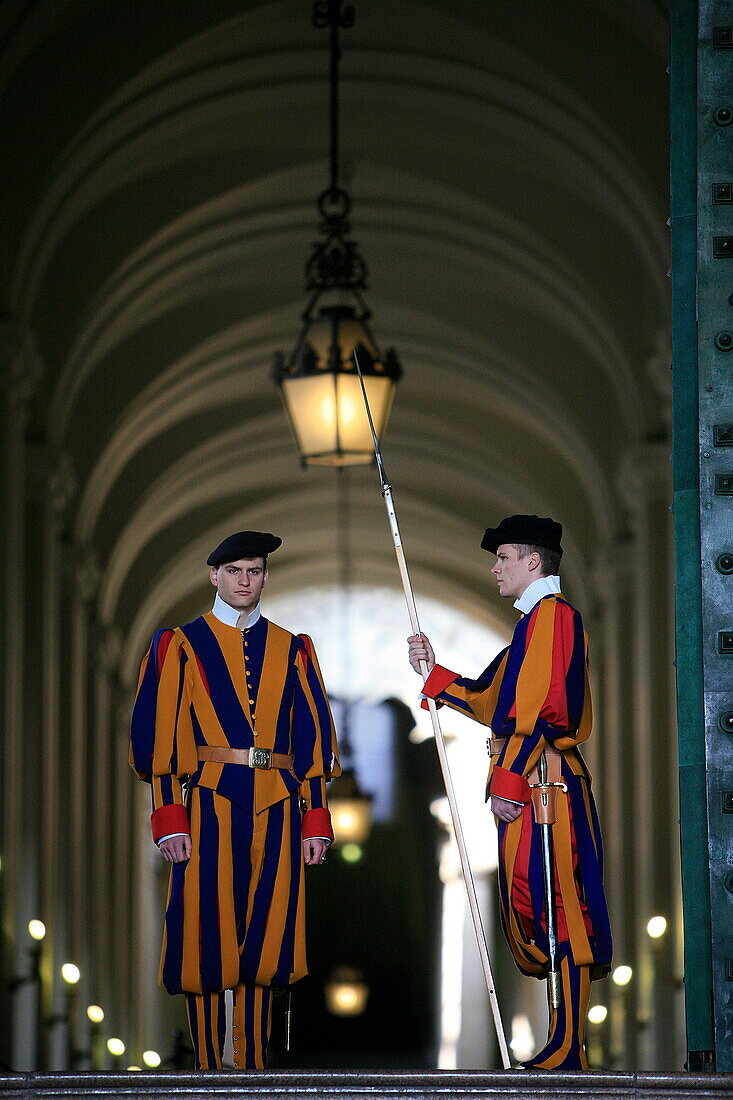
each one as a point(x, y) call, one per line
point(533, 593)
point(230, 616)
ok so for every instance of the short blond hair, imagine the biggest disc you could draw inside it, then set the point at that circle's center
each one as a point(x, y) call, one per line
point(549, 559)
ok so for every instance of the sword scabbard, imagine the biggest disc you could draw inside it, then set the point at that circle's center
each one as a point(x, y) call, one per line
point(553, 985)
point(544, 803)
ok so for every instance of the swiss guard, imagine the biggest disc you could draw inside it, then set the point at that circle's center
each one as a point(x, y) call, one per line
point(535, 697)
point(233, 730)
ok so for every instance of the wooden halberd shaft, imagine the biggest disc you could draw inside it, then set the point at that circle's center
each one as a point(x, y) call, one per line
point(440, 745)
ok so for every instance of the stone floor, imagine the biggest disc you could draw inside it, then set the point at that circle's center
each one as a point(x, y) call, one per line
point(355, 1086)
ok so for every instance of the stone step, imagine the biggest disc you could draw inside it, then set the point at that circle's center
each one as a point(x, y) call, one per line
point(367, 1086)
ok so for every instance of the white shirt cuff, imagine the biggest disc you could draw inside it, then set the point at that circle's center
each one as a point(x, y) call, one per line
point(160, 840)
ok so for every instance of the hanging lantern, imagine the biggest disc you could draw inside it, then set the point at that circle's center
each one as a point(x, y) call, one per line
point(318, 381)
point(321, 390)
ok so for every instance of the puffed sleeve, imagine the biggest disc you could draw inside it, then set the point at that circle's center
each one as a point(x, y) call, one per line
point(474, 698)
point(552, 699)
point(162, 746)
point(316, 749)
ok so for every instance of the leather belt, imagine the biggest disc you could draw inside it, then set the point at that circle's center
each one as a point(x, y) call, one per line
point(264, 759)
point(554, 758)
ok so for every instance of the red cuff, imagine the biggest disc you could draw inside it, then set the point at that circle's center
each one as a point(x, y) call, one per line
point(317, 823)
point(506, 784)
point(169, 819)
point(438, 680)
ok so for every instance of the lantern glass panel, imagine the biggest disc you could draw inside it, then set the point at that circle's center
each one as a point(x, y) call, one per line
point(329, 419)
point(311, 403)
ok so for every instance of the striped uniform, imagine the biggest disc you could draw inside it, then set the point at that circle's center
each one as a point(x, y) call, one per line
point(235, 917)
point(536, 693)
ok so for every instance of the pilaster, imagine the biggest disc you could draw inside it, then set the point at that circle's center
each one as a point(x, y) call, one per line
point(644, 484)
point(22, 369)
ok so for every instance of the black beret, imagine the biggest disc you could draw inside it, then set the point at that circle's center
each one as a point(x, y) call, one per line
point(245, 544)
point(524, 530)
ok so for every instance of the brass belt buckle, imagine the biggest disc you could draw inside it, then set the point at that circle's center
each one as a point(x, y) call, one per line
point(260, 758)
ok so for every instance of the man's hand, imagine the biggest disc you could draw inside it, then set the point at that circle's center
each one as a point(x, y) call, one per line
point(420, 650)
point(176, 849)
point(504, 809)
point(314, 850)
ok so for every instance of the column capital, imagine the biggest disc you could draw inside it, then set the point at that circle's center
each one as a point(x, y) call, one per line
point(21, 363)
point(645, 475)
point(110, 649)
point(613, 566)
point(62, 483)
point(88, 573)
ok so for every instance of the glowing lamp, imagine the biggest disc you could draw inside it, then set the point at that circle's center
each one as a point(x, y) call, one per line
point(71, 973)
point(36, 929)
point(346, 993)
point(351, 810)
point(622, 975)
point(151, 1058)
point(597, 1014)
point(95, 1014)
point(656, 927)
point(352, 853)
point(321, 391)
point(116, 1047)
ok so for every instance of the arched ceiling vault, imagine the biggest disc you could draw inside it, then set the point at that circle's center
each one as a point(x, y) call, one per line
point(494, 264)
point(510, 198)
point(220, 468)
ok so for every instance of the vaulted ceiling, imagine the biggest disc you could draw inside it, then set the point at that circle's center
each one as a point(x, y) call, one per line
point(508, 166)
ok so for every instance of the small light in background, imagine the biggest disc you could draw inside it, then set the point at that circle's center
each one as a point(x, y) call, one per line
point(622, 975)
point(352, 853)
point(597, 1014)
point(134, 1069)
point(522, 1040)
point(151, 1058)
point(71, 973)
point(95, 1014)
point(346, 993)
point(351, 810)
point(116, 1047)
point(656, 927)
point(36, 929)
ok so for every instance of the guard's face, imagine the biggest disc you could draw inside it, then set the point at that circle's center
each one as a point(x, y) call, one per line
point(240, 583)
point(514, 574)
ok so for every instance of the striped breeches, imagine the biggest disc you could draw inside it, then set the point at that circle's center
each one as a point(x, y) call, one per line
point(252, 1018)
point(580, 907)
point(236, 909)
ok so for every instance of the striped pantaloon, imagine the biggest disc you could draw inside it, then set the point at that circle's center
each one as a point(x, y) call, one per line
point(235, 920)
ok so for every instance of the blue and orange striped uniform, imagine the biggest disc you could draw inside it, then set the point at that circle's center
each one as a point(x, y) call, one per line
point(534, 694)
point(235, 917)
